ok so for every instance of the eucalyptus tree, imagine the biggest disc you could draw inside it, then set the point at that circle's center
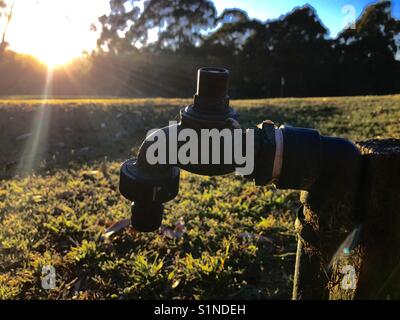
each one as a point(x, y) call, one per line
point(161, 24)
point(367, 52)
point(6, 12)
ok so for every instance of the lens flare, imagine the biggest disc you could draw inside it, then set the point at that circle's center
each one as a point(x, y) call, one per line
point(37, 143)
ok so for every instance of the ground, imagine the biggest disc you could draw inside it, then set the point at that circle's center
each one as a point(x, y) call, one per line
point(222, 237)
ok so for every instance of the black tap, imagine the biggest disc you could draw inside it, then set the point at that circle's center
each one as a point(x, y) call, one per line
point(292, 158)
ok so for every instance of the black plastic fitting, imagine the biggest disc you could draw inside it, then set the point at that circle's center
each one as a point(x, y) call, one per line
point(147, 190)
point(147, 185)
point(303, 154)
point(210, 108)
point(301, 158)
point(307, 155)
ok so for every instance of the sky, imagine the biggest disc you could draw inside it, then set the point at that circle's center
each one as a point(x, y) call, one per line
point(56, 31)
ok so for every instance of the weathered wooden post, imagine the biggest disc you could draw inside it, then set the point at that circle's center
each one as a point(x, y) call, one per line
point(329, 213)
point(349, 239)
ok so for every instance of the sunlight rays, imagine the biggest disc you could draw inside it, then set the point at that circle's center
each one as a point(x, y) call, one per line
point(37, 143)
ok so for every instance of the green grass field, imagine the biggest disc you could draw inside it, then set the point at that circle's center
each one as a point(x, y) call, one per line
point(231, 239)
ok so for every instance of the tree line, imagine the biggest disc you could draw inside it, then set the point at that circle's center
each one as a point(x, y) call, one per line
point(153, 48)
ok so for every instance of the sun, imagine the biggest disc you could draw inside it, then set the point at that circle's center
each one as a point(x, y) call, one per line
point(55, 53)
point(54, 31)
point(54, 59)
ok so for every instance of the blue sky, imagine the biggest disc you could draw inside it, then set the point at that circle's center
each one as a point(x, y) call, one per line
point(329, 11)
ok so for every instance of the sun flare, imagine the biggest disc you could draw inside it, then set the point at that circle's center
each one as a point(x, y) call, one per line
point(54, 31)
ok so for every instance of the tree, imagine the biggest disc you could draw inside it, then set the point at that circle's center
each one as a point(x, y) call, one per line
point(233, 31)
point(375, 27)
point(2, 7)
point(8, 17)
point(178, 24)
point(285, 55)
point(367, 52)
point(297, 47)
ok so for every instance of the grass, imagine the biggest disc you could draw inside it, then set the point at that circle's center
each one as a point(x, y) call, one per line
point(222, 237)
